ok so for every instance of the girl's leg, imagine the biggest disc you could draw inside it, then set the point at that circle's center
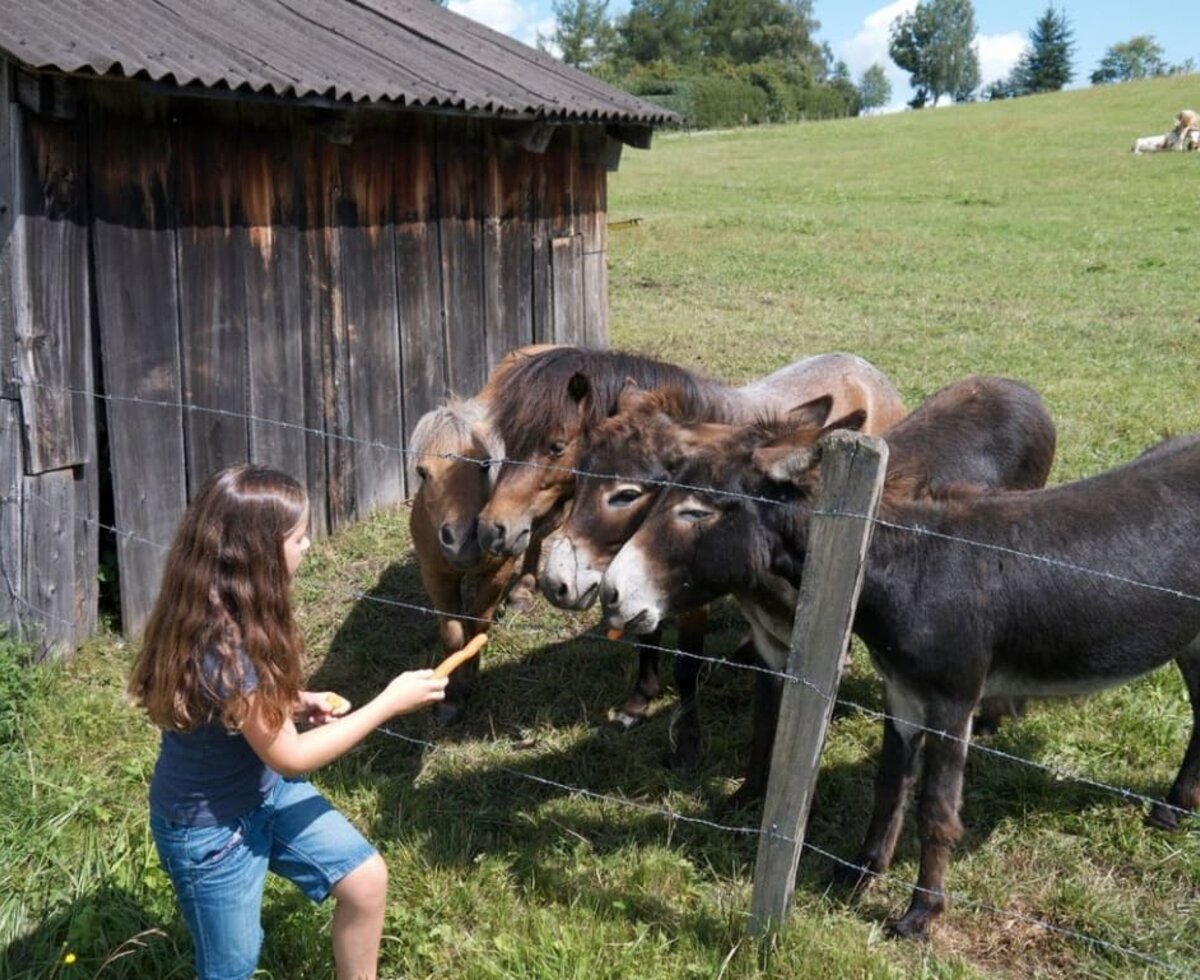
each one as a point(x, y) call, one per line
point(218, 873)
point(321, 852)
point(358, 919)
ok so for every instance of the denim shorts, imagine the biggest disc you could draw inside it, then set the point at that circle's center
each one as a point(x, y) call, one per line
point(219, 872)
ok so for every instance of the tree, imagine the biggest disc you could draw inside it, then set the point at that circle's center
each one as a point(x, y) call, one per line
point(1046, 66)
point(659, 31)
point(747, 31)
point(874, 89)
point(582, 32)
point(1139, 57)
point(934, 45)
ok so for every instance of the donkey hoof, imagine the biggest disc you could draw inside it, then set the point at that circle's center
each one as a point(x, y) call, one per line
point(684, 758)
point(447, 713)
point(912, 926)
point(623, 719)
point(1162, 817)
point(520, 600)
point(854, 879)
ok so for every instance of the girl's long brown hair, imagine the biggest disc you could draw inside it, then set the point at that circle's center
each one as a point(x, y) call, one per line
point(225, 589)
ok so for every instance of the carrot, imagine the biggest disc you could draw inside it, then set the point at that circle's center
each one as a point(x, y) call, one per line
point(615, 634)
point(455, 660)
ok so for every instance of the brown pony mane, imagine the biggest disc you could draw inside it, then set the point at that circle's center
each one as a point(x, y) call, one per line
point(452, 429)
point(534, 396)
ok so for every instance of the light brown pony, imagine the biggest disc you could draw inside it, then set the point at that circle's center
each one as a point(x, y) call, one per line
point(457, 452)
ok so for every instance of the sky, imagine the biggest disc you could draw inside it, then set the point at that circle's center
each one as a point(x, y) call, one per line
point(857, 32)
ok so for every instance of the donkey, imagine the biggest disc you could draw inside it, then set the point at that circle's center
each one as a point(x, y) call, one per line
point(456, 449)
point(991, 432)
point(1045, 592)
point(627, 457)
point(547, 405)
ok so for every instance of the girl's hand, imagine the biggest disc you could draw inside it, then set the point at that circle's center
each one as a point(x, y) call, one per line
point(414, 689)
point(321, 707)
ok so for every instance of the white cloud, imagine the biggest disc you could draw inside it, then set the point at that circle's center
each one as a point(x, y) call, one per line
point(518, 20)
point(997, 52)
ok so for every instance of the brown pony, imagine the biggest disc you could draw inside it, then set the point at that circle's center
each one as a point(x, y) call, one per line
point(456, 448)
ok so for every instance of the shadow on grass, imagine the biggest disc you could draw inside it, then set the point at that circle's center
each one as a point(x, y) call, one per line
point(609, 790)
point(107, 932)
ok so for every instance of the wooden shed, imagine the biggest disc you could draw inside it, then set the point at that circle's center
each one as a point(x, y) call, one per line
point(266, 230)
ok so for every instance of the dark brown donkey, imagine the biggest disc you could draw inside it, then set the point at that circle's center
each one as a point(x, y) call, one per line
point(546, 405)
point(628, 456)
point(1042, 592)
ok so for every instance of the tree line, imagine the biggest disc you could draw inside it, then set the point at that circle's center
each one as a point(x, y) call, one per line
point(730, 62)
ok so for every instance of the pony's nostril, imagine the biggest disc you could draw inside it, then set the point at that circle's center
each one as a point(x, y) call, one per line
point(609, 595)
point(447, 535)
point(499, 532)
point(561, 591)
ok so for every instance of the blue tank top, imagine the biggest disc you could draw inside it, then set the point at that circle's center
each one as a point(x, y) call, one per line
point(209, 775)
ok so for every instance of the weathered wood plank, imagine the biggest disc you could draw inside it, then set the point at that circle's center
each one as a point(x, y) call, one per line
point(507, 248)
point(271, 269)
point(12, 466)
point(567, 289)
point(317, 168)
point(852, 470)
point(542, 300)
point(461, 193)
point(212, 242)
point(48, 553)
point(8, 337)
point(592, 220)
point(372, 329)
point(133, 235)
point(339, 457)
point(51, 304)
point(418, 275)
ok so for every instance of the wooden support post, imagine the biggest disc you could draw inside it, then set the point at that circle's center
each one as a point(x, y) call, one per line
point(852, 470)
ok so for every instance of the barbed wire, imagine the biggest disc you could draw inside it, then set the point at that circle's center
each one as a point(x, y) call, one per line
point(864, 872)
point(784, 676)
point(758, 669)
point(659, 483)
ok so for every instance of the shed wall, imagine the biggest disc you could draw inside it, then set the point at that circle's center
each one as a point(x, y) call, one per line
point(195, 284)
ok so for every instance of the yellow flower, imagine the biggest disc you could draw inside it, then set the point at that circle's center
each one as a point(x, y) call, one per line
point(69, 959)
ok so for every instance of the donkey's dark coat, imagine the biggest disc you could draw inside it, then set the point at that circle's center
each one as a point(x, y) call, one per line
point(951, 608)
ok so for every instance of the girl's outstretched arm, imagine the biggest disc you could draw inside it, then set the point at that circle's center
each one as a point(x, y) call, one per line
point(292, 753)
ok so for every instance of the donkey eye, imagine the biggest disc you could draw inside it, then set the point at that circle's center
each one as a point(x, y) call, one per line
point(558, 447)
point(422, 473)
point(625, 496)
point(694, 515)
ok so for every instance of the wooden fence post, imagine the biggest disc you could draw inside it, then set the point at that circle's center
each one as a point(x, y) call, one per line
point(852, 471)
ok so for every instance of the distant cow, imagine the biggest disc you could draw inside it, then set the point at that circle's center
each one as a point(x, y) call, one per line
point(1184, 135)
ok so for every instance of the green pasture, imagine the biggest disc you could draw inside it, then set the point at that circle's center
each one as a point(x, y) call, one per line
point(1020, 239)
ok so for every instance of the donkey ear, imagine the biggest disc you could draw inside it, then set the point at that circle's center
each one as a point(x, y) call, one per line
point(854, 421)
point(631, 396)
point(579, 387)
point(785, 463)
point(813, 413)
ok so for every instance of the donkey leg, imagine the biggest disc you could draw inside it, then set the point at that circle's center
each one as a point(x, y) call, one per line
point(686, 750)
point(893, 782)
point(637, 702)
point(524, 590)
point(768, 690)
point(938, 822)
point(1185, 793)
point(445, 592)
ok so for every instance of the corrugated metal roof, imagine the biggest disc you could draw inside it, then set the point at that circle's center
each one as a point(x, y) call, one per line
point(407, 52)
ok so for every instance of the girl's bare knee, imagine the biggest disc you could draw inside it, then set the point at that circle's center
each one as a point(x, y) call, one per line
point(366, 886)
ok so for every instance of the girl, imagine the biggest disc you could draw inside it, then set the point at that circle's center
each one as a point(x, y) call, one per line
point(219, 673)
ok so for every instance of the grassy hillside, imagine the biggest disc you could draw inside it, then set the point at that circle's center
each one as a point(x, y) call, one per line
point(1019, 239)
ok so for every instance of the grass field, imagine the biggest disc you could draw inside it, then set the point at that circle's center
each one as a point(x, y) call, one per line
point(1020, 239)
